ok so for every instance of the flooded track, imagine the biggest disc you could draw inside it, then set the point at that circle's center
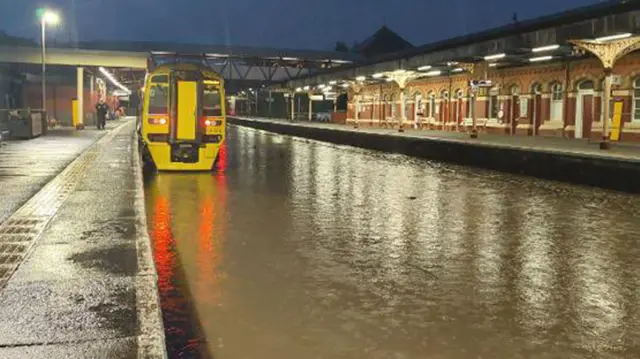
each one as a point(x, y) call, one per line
point(299, 249)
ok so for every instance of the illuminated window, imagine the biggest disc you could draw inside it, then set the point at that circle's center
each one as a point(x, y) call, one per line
point(418, 103)
point(432, 104)
point(393, 106)
point(494, 105)
point(158, 99)
point(557, 102)
point(636, 100)
point(211, 104)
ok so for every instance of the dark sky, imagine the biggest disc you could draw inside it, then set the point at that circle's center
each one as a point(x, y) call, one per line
point(300, 24)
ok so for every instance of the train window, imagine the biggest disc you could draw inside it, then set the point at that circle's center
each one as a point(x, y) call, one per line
point(158, 99)
point(211, 102)
point(160, 79)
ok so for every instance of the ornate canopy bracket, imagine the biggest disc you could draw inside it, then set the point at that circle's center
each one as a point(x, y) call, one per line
point(609, 52)
point(467, 66)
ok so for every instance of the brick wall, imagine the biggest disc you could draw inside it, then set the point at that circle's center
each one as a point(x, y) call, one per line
point(569, 75)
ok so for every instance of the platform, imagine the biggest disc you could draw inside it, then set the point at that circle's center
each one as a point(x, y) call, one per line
point(77, 279)
point(561, 159)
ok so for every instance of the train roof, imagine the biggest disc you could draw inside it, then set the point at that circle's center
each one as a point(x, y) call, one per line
point(205, 70)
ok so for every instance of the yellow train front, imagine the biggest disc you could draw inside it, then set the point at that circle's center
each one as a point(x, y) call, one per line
point(183, 117)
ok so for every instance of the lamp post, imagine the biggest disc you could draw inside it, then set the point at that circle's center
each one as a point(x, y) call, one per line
point(52, 18)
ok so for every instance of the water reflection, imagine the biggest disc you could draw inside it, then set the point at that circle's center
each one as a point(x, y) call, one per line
point(187, 218)
point(300, 249)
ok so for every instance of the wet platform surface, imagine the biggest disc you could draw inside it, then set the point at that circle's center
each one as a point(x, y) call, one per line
point(302, 249)
point(27, 165)
point(620, 150)
point(74, 294)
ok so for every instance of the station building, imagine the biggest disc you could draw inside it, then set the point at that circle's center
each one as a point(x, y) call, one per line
point(563, 99)
point(546, 78)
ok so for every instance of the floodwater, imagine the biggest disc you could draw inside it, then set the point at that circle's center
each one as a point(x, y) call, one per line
point(297, 249)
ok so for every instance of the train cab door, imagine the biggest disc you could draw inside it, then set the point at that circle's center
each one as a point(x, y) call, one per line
point(185, 134)
point(187, 111)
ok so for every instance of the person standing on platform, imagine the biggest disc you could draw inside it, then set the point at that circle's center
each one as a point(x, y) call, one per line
point(101, 111)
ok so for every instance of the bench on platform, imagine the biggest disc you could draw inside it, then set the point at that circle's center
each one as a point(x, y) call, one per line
point(389, 122)
point(493, 123)
point(467, 124)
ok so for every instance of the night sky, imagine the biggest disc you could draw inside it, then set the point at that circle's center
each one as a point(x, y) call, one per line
point(300, 24)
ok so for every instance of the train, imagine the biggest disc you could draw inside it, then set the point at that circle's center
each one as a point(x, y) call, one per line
point(182, 123)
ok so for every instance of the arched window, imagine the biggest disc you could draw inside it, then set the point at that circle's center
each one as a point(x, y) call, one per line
point(444, 106)
point(432, 103)
point(557, 102)
point(585, 85)
point(518, 107)
point(636, 99)
point(536, 89)
point(392, 99)
point(494, 106)
point(385, 106)
point(417, 100)
point(458, 110)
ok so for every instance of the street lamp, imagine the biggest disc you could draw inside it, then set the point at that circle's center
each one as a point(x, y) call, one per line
point(51, 18)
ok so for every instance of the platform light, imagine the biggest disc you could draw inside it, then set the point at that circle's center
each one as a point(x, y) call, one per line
point(307, 88)
point(333, 82)
point(494, 57)
point(299, 89)
point(340, 61)
point(216, 55)
point(545, 48)
point(424, 68)
point(290, 59)
point(457, 69)
point(50, 17)
point(378, 75)
point(389, 80)
point(613, 37)
point(434, 73)
point(114, 81)
point(345, 85)
point(541, 58)
point(321, 86)
point(493, 64)
point(400, 71)
point(361, 78)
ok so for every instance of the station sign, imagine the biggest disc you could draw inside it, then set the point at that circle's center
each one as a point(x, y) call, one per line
point(480, 83)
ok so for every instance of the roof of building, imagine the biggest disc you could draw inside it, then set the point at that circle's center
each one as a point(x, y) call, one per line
point(237, 51)
point(606, 8)
point(382, 42)
point(600, 10)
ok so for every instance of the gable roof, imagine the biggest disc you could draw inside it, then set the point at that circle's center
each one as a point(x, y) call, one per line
point(383, 41)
